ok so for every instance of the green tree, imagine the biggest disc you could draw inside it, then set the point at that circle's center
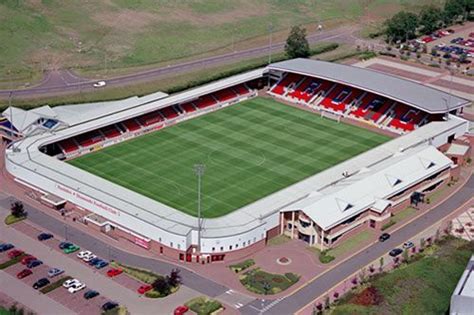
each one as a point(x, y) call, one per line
point(296, 44)
point(162, 286)
point(401, 27)
point(453, 9)
point(17, 209)
point(174, 279)
point(430, 19)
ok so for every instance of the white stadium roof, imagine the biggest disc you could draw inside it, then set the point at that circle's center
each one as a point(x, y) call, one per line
point(405, 91)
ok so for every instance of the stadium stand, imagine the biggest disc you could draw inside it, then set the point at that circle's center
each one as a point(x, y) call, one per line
point(225, 95)
point(111, 131)
point(188, 107)
point(284, 83)
point(205, 101)
point(241, 89)
point(68, 145)
point(168, 112)
point(131, 124)
point(89, 138)
point(150, 118)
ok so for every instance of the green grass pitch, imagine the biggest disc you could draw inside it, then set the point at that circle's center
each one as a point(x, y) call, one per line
point(250, 150)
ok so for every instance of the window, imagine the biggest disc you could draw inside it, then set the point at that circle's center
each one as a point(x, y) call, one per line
point(171, 244)
point(236, 246)
point(213, 249)
point(179, 246)
point(222, 248)
point(159, 240)
point(289, 226)
point(304, 224)
point(230, 247)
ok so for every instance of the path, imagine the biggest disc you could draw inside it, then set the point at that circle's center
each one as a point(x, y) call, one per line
point(60, 82)
point(325, 282)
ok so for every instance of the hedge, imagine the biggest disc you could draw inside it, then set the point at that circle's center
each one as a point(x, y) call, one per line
point(54, 285)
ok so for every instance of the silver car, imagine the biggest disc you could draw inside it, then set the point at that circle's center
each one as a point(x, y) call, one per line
point(53, 272)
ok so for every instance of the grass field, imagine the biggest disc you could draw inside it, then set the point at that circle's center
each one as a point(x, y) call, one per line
point(421, 287)
point(250, 150)
point(97, 34)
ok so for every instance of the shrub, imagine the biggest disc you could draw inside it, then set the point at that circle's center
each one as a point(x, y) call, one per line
point(54, 285)
point(11, 262)
point(242, 265)
point(292, 277)
point(325, 258)
point(368, 296)
point(17, 209)
point(203, 306)
point(389, 224)
point(152, 294)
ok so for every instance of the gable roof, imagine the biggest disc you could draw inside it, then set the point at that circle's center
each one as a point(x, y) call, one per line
point(404, 91)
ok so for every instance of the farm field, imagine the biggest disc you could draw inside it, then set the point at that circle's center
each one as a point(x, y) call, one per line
point(121, 34)
point(250, 150)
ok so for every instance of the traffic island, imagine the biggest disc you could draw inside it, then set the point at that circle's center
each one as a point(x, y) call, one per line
point(262, 282)
point(204, 306)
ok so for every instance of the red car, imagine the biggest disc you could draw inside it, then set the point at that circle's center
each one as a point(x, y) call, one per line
point(114, 272)
point(180, 310)
point(144, 288)
point(24, 273)
point(25, 260)
point(15, 253)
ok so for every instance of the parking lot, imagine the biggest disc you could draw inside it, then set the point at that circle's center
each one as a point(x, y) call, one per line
point(456, 42)
point(76, 302)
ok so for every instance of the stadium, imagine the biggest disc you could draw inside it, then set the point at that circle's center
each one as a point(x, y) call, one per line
point(306, 148)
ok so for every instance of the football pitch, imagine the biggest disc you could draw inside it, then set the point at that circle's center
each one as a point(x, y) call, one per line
point(250, 150)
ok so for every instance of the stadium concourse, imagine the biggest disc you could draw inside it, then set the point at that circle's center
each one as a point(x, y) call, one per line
point(321, 208)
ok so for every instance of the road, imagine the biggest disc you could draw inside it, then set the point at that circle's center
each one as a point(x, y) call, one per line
point(321, 285)
point(62, 82)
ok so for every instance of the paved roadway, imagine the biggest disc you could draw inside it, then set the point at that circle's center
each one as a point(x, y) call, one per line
point(190, 279)
point(63, 81)
point(286, 305)
point(294, 302)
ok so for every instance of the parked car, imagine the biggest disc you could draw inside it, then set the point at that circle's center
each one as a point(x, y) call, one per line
point(24, 273)
point(64, 245)
point(101, 264)
point(70, 282)
point(99, 84)
point(395, 252)
point(76, 287)
point(144, 288)
point(181, 310)
point(83, 254)
point(71, 249)
point(25, 260)
point(89, 258)
point(408, 245)
point(114, 272)
point(15, 253)
point(109, 306)
point(44, 236)
point(53, 272)
point(34, 263)
point(384, 237)
point(41, 283)
point(6, 246)
point(94, 261)
point(90, 294)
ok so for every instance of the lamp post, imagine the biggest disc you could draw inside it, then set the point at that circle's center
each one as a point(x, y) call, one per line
point(270, 31)
point(199, 171)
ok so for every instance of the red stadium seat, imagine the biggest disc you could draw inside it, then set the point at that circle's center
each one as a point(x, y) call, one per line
point(225, 95)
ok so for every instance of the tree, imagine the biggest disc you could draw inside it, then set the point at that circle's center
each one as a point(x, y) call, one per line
point(162, 286)
point(430, 19)
point(401, 27)
point(174, 279)
point(296, 44)
point(453, 9)
point(381, 263)
point(17, 209)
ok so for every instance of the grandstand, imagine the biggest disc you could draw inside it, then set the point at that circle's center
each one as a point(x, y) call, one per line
point(311, 164)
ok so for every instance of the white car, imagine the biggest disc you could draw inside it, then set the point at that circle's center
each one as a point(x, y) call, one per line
point(76, 287)
point(99, 84)
point(84, 254)
point(70, 282)
point(408, 245)
point(89, 258)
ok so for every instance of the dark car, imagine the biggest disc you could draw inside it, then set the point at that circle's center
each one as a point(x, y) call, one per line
point(109, 306)
point(395, 252)
point(44, 236)
point(34, 263)
point(384, 237)
point(40, 283)
point(64, 245)
point(5, 247)
point(94, 261)
point(90, 294)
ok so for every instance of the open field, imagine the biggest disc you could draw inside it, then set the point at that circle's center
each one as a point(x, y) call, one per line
point(95, 34)
point(431, 280)
point(250, 150)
